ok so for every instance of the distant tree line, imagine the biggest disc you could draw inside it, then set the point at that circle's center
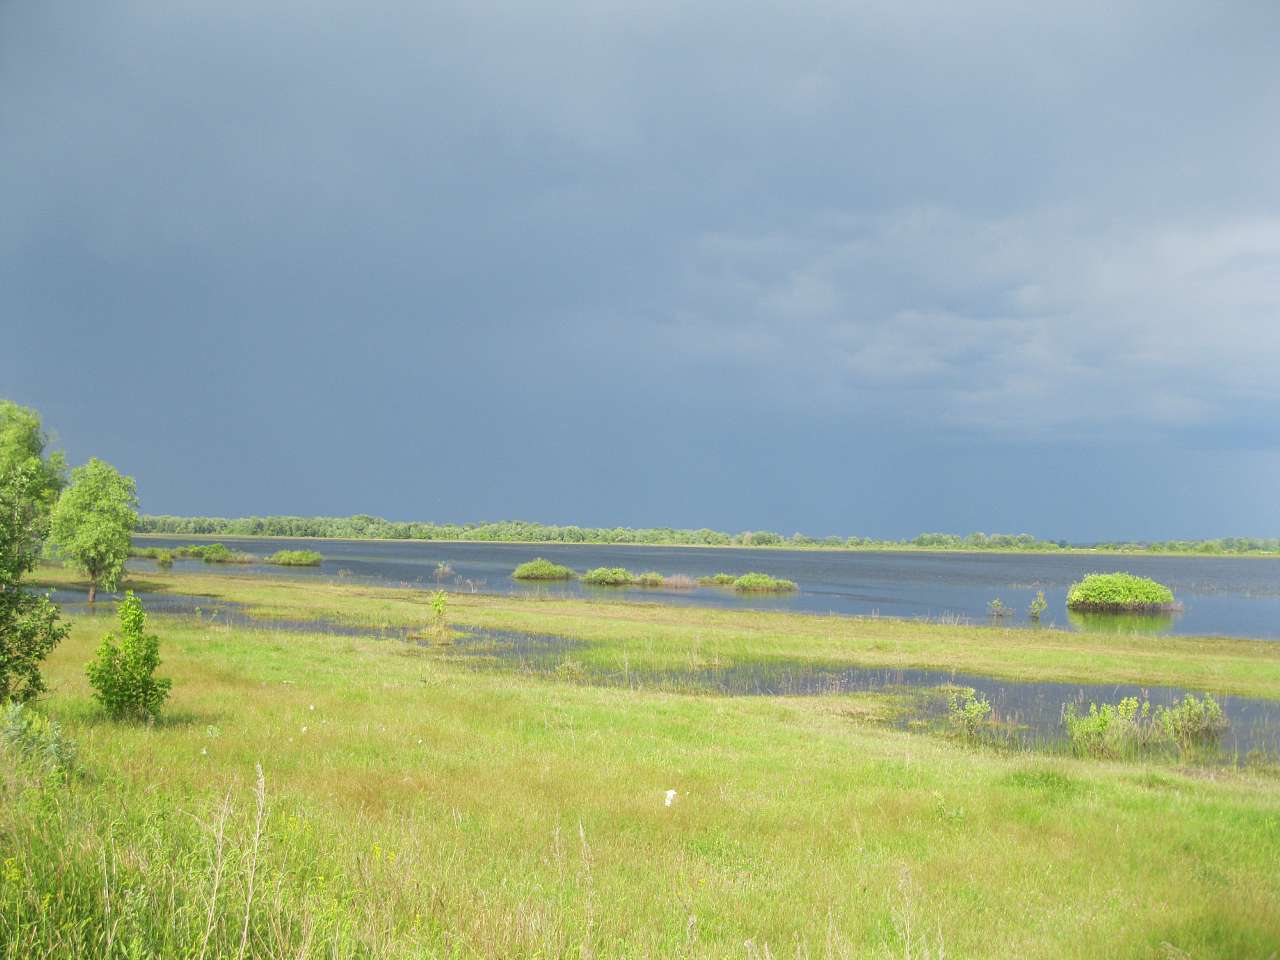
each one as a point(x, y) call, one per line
point(365, 527)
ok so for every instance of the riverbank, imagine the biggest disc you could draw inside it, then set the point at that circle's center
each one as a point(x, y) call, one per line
point(413, 807)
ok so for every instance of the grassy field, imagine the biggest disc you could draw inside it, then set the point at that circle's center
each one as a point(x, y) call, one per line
point(414, 808)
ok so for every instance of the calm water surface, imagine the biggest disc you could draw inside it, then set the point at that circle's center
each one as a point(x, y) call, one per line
point(1231, 596)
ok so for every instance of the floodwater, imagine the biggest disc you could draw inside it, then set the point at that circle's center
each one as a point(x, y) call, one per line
point(1028, 714)
point(1228, 596)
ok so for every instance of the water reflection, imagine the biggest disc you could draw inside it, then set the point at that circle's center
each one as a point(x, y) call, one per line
point(1096, 622)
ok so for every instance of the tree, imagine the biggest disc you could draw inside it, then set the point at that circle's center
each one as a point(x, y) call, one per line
point(22, 443)
point(29, 626)
point(123, 676)
point(93, 520)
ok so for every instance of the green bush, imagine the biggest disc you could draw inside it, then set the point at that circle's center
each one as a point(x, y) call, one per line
point(967, 712)
point(1038, 606)
point(997, 609)
point(1193, 724)
point(295, 558)
point(609, 577)
point(651, 579)
point(541, 569)
point(1111, 730)
point(762, 583)
point(37, 740)
point(122, 676)
point(1118, 591)
point(719, 580)
point(164, 560)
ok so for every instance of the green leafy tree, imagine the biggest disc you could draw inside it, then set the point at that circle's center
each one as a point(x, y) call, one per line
point(29, 624)
point(92, 523)
point(123, 675)
point(22, 444)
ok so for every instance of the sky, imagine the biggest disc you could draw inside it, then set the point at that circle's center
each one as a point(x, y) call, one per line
point(864, 268)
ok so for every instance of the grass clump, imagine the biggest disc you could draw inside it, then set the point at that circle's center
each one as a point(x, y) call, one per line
point(295, 558)
point(541, 569)
point(609, 577)
point(1193, 724)
point(719, 580)
point(1111, 730)
point(651, 579)
point(208, 552)
point(1119, 592)
point(1131, 726)
point(762, 583)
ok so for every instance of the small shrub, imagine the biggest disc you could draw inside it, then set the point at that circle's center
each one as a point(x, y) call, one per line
point(651, 579)
point(164, 560)
point(609, 577)
point(762, 583)
point(719, 580)
point(1038, 606)
point(1111, 730)
point(1119, 592)
point(967, 712)
point(997, 609)
point(37, 740)
point(443, 571)
point(1193, 724)
point(122, 676)
point(439, 606)
point(541, 569)
point(296, 558)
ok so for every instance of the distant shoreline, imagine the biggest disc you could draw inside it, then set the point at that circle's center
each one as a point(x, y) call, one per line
point(777, 548)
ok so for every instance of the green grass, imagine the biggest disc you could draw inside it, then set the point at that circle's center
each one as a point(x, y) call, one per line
point(295, 558)
point(1119, 592)
point(719, 580)
point(413, 808)
point(541, 569)
point(657, 636)
point(762, 583)
point(609, 577)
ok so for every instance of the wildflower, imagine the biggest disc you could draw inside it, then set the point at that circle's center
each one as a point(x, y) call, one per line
point(671, 797)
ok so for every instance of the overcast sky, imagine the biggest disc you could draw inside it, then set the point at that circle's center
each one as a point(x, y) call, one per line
point(860, 268)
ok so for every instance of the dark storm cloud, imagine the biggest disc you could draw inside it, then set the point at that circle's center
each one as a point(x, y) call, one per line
point(770, 266)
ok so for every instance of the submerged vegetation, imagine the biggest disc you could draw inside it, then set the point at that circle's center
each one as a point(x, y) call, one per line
point(1119, 593)
point(541, 569)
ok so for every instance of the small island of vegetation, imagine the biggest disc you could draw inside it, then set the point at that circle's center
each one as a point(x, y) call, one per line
point(1119, 593)
point(542, 569)
point(295, 558)
point(762, 583)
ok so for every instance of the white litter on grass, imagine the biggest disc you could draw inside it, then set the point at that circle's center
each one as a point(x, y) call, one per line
point(671, 798)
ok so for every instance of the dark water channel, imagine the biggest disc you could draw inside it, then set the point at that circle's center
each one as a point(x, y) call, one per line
point(1229, 596)
point(1028, 714)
